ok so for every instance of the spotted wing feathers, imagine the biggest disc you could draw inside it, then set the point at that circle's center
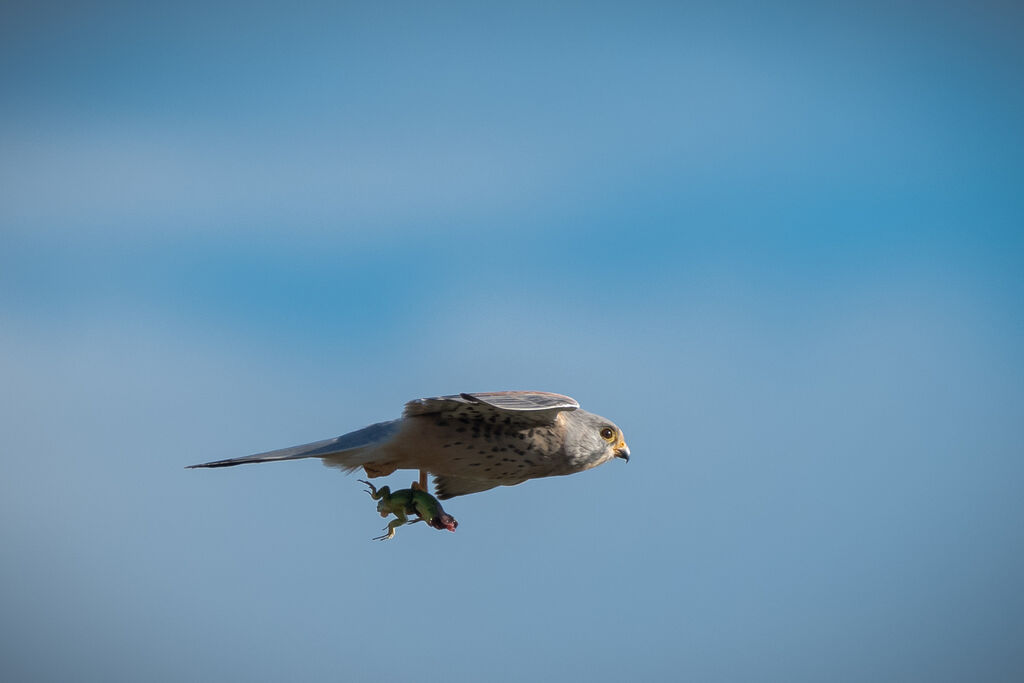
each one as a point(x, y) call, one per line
point(533, 405)
point(448, 487)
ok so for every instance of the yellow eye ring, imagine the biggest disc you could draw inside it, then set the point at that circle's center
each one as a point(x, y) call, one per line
point(608, 434)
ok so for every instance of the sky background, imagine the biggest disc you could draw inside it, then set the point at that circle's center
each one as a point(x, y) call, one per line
point(782, 247)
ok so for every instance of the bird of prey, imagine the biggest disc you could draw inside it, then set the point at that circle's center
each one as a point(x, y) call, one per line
point(470, 442)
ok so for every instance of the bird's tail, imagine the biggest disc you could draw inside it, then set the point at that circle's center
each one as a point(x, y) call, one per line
point(348, 451)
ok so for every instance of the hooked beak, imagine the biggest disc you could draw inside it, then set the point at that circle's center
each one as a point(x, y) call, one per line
point(622, 451)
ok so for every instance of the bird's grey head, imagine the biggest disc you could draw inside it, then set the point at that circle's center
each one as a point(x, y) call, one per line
point(592, 440)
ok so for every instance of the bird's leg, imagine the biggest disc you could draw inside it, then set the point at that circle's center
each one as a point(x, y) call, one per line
point(423, 481)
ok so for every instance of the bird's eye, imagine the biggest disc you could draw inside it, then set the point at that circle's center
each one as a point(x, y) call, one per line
point(608, 434)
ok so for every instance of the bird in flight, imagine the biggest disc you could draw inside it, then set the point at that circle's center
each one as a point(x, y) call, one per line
point(470, 442)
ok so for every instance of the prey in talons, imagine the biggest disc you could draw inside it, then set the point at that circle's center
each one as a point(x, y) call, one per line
point(403, 503)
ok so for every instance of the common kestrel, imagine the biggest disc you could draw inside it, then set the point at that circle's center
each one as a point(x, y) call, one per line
point(470, 442)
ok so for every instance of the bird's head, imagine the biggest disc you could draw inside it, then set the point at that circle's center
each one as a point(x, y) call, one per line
point(592, 440)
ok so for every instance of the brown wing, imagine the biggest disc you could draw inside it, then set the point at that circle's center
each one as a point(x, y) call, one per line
point(538, 406)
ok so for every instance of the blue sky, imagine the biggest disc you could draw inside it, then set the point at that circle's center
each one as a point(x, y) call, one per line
point(780, 246)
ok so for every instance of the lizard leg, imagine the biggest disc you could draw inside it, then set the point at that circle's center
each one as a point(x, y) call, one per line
point(372, 490)
point(384, 492)
point(399, 520)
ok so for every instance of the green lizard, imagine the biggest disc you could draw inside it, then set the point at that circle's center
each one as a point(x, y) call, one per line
point(411, 501)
